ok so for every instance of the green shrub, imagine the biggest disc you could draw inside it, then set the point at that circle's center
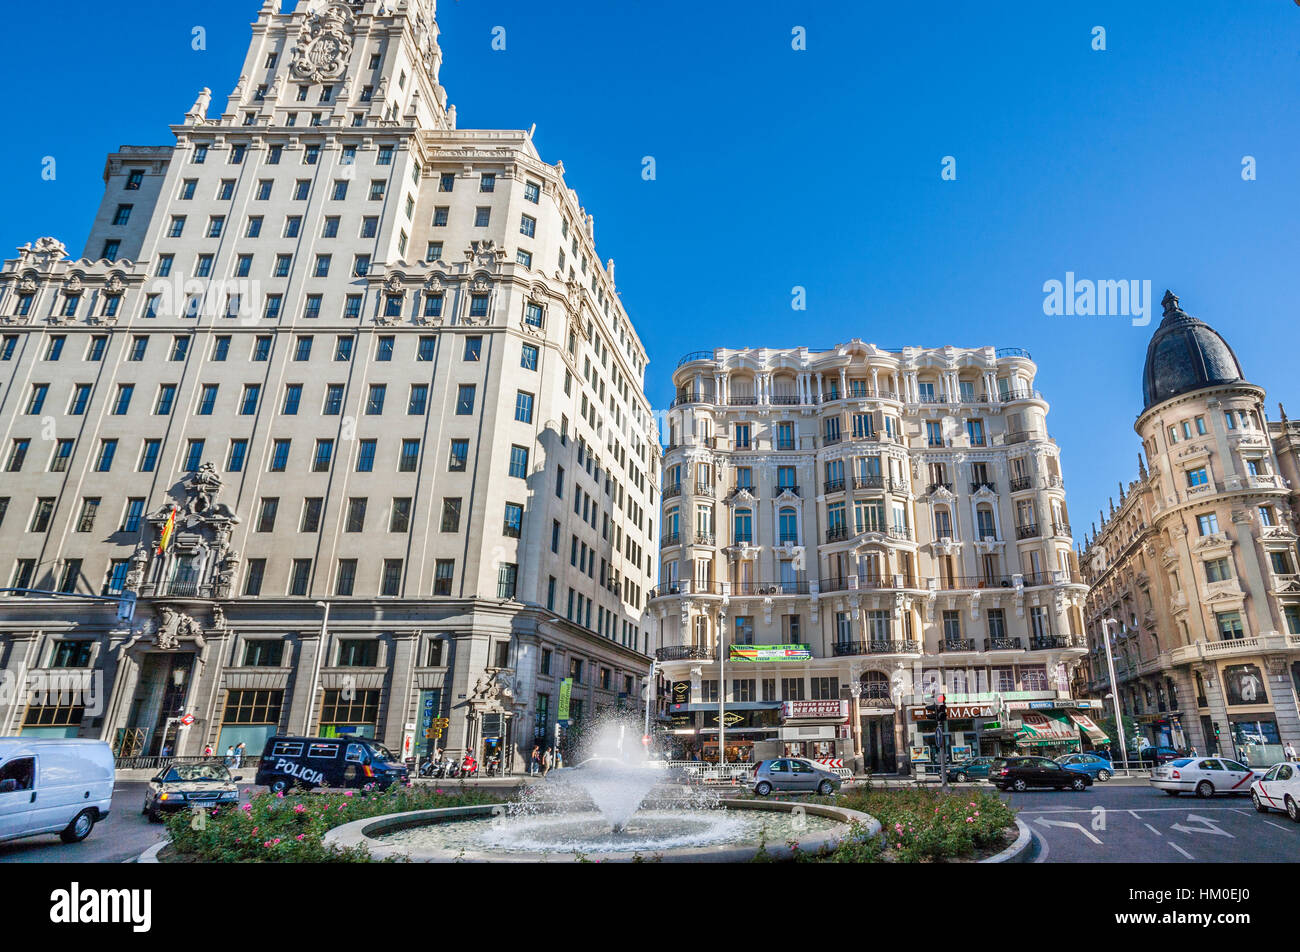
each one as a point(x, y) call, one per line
point(927, 826)
point(275, 828)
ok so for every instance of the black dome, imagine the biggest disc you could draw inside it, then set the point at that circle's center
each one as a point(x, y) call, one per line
point(1185, 354)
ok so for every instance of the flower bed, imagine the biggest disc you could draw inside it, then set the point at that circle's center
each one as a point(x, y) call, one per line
point(922, 826)
point(274, 828)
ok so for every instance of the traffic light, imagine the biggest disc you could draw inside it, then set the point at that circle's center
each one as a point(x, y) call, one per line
point(932, 712)
point(941, 712)
point(1216, 730)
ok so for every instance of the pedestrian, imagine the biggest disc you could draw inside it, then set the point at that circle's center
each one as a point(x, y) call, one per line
point(535, 761)
point(230, 756)
point(239, 753)
point(1191, 751)
point(207, 750)
point(547, 759)
point(1289, 751)
point(559, 759)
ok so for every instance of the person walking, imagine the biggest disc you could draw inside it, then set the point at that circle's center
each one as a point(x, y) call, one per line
point(230, 756)
point(239, 753)
point(547, 760)
point(535, 761)
point(207, 750)
point(1289, 751)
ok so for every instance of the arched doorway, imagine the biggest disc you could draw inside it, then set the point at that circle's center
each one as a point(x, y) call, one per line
point(876, 707)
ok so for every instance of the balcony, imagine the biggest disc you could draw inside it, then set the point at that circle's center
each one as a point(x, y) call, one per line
point(668, 539)
point(792, 488)
point(837, 533)
point(935, 487)
point(741, 538)
point(844, 648)
point(958, 582)
point(743, 402)
point(684, 653)
point(951, 645)
point(876, 692)
point(984, 484)
point(785, 445)
point(751, 589)
point(694, 356)
point(1027, 532)
point(831, 439)
point(1049, 642)
point(702, 489)
point(674, 490)
point(786, 400)
point(1002, 643)
point(1060, 529)
point(685, 399)
point(869, 482)
point(1011, 396)
point(1007, 352)
point(1021, 483)
point(833, 486)
point(704, 538)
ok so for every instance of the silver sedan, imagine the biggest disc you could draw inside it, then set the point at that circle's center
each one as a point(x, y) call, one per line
point(1204, 776)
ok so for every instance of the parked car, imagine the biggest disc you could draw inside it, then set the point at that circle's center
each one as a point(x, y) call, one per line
point(794, 774)
point(54, 786)
point(180, 786)
point(1157, 755)
point(1204, 776)
point(1094, 765)
point(976, 769)
point(1278, 789)
point(1021, 773)
point(309, 762)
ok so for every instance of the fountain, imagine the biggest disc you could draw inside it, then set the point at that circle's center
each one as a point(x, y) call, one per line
point(614, 804)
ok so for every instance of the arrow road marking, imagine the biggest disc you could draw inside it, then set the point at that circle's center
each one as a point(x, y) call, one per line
point(1181, 850)
point(1044, 822)
point(1207, 827)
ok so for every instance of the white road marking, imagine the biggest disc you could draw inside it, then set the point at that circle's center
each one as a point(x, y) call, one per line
point(1066, 823)
point(1181, 850)
point(1042, 841)
point(1277, 825)
point(1152, 829)
point(1204, 825)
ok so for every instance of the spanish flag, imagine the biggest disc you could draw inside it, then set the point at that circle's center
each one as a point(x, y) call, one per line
point(165, 539)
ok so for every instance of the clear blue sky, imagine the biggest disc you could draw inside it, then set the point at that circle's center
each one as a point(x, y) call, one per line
point(818, 168)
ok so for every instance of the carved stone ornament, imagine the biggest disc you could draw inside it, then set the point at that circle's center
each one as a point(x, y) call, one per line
point(324, 44)
point(395, 284)
point(173, 625)
point(485, 254)
point(73, 285)
point(114, 286)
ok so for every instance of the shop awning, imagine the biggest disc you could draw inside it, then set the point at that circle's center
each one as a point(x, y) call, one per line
point(1039, 727)
point(1095, 733)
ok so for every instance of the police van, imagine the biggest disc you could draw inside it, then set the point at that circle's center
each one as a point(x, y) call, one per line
point(307, 762)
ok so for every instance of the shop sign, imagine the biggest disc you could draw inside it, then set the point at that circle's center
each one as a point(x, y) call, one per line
point(793, 710)
point(990, 726)
point(770, 653)
point(956, 712)
point(919, 755)
point(732, 719)
point(681, 692)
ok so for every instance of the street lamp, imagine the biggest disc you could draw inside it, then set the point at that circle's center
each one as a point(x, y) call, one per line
point(315, 674)
point(1114, 689)
point(722, 695)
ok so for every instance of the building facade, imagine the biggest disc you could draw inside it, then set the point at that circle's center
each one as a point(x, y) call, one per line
point(335, 391)
point(1194, 572)
point(852, 531)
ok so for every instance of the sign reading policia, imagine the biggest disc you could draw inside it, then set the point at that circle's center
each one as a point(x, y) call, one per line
point(770, 653)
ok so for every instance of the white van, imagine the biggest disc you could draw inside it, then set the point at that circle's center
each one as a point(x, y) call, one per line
point(54, 786)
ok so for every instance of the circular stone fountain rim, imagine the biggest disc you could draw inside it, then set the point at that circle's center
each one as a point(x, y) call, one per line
point(363, 833)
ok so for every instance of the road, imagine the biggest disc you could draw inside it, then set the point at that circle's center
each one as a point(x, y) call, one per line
point(1137, 824)
point(122, 837)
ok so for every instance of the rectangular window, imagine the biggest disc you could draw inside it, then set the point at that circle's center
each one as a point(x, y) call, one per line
point(465, 400)
point(356, 520)
point(399, 517)
point(418, 399)
point(149, 455)
point(107, 450)
point(280, 456)
point(459, 457)
point(410, 457)
point(311, 512)
point(300, 576)
point(519, 462)
point(253, 580)
point(524, 407)
point(451, 515)
point(366, 456)
point(324, 454)
point(443, 572)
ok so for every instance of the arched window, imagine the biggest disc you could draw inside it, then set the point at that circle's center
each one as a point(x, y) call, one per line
point(742, 526)
point(875, 686)
point(789, 522)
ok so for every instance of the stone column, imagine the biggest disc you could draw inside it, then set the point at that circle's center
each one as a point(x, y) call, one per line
point(403, 697)
point(303, 700)
point(1282, 690)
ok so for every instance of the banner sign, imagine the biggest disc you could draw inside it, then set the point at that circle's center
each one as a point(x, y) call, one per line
point(792, 710)
point(770, 653)
point(957, 712)
point(919, 755)
point(566, 691)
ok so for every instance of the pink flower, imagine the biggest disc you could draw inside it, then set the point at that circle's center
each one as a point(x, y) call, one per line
point(299, 808)
point(280, 795)
point(301, 836)
point(347, 793)
point(970, 819)
point(247, 808)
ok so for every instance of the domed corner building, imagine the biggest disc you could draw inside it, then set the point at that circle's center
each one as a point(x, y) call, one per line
point(1196, 562)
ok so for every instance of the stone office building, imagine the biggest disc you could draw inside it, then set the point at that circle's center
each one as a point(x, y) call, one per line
point(856, 528)
point(370, 368)
point(1194, 572)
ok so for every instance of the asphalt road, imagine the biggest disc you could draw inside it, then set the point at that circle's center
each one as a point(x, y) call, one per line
point(122, 837)
point(1112, 823)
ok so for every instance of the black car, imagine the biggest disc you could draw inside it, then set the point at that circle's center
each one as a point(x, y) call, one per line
point(185, 786)
point(1157, 755)
point(1021, 773)
point(308, 762)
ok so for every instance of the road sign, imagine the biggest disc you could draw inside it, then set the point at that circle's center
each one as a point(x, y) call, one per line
point(187, 720)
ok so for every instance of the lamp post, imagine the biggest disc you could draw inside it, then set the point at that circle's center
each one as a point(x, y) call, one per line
point(315, 672)
point(1114, 689)
point(649, 693)
point(722, 695)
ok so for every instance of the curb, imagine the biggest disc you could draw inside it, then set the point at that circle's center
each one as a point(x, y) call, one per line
point(151, 854)
point(1017, 852)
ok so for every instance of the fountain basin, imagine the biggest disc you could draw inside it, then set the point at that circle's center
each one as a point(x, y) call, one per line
point(829, 824)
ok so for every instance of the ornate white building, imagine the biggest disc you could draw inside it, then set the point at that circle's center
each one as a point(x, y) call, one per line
point(1195, 571)
point(895, 519)
point(375, 365)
